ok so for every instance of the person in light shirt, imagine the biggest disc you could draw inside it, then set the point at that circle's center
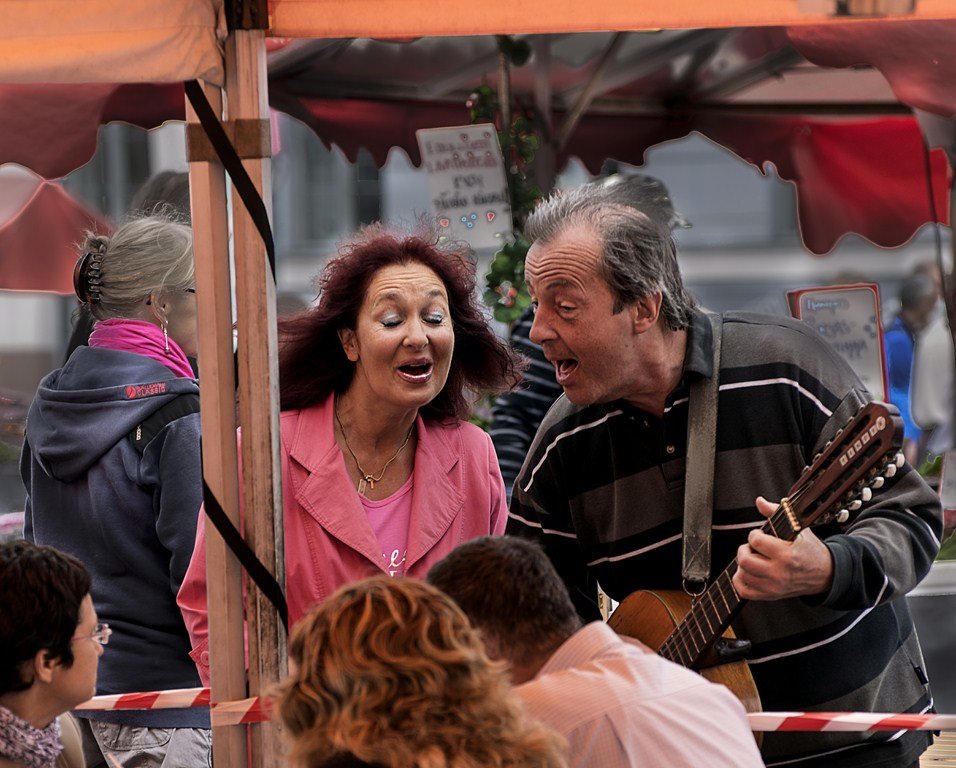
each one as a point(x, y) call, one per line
point(618, 703)
point(388, 673)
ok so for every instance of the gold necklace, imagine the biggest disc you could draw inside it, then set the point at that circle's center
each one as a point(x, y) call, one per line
point(368, 479)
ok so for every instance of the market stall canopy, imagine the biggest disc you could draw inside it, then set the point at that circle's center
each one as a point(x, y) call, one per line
point(104, 41)
point(414, 18)
point(40, 228)
point(827, 105)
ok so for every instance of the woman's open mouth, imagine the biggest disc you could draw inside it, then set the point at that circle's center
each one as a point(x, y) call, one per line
point(564, 368)
point(416, 371)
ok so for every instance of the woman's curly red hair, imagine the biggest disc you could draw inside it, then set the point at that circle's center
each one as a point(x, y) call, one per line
point(390, 671)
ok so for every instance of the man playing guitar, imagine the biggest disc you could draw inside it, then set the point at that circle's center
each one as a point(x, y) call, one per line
point(602, 488)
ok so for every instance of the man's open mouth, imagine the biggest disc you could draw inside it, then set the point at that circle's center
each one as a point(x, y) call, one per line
point(564, 368)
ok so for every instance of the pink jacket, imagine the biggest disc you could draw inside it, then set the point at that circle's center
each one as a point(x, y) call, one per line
point(458, 495)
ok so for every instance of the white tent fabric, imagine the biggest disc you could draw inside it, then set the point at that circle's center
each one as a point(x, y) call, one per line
point(105, 41)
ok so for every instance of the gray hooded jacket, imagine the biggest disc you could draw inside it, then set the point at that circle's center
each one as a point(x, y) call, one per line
point(129, 516)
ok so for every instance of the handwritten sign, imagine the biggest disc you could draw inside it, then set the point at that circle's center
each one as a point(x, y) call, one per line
point(467, 183)
point(848, 317)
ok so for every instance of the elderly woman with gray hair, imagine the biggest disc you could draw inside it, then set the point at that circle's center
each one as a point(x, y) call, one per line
point(111, 466)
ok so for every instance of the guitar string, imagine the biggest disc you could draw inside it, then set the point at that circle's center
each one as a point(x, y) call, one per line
point(684, 633)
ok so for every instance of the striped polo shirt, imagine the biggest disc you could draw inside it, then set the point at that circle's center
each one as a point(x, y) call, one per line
point(603, 488)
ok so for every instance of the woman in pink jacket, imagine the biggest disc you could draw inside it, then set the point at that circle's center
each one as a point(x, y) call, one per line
point(380, 471)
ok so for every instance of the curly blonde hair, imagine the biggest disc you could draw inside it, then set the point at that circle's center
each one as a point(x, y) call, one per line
point(390, 671)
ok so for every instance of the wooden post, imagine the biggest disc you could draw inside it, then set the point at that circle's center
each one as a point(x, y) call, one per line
point(544, 158)
point(247, 99)
point(207, 191)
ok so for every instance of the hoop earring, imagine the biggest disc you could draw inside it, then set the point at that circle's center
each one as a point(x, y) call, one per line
point(166, 338)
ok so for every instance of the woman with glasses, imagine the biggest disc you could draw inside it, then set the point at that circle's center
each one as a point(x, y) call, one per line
point(111, 466)
point(50, 645)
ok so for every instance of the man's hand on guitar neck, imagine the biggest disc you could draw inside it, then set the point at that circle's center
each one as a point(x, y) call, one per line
point(769, 568)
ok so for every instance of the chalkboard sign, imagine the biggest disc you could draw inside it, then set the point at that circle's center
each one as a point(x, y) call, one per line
point(467, 183)
point(848, 317)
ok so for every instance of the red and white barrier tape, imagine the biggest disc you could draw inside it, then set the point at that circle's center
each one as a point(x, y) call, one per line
point(849, 721)
point(254, 710)
point(257, 710)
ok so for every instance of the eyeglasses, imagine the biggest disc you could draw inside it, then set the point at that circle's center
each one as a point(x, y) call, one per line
point(149, 301)
point(101, 634)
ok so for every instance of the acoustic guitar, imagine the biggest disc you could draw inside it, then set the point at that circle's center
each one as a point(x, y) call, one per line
point(696, 633)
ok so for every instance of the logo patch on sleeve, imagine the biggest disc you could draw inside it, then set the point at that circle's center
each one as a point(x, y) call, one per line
point(134, 391)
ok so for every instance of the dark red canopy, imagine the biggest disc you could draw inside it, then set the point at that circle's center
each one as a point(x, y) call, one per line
point(842, 136)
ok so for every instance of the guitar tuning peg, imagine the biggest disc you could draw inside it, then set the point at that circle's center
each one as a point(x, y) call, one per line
point(865, 495)
point(843, 515)
point(899, 459)
point(878, 481)
point(854, 505)
point(890, 470)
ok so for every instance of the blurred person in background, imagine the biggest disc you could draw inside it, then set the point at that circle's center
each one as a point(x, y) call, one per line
point(111, 466)
point(919, 297)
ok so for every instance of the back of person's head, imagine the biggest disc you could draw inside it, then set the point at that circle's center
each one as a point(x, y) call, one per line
point(116, 273)
point(918, 291)
point(165, 193)
point(41, 592)
point(510, 591)
point(638, 255)
point(645, 193)
point(389, 671)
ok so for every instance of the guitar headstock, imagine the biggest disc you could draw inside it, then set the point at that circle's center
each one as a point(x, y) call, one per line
point(840, 478)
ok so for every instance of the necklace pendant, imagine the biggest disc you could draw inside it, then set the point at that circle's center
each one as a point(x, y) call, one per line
point(362, 484)
point(371, 482)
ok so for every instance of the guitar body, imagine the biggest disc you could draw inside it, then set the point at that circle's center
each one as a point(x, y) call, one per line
point(687, 631)
point(651, 617)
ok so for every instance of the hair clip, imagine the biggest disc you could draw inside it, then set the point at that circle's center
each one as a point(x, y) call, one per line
point(86, 277)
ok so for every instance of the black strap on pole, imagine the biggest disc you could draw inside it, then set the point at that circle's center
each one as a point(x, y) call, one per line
point(254, 204)
point(230, 161)
point(264, 580)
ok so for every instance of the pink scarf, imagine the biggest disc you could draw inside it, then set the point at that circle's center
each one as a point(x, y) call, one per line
point(143, 338)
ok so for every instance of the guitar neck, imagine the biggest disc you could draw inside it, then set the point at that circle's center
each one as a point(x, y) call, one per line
point(718, 605)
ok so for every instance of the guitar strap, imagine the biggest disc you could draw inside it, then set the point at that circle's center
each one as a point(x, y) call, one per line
point(699, 474)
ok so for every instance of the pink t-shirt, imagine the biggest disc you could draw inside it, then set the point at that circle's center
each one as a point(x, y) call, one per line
point(390, 519)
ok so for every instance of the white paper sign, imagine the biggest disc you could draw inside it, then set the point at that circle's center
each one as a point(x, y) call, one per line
point(848, 317)
point(467, 183)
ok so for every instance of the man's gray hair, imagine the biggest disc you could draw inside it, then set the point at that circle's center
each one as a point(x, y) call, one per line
point(638, 256)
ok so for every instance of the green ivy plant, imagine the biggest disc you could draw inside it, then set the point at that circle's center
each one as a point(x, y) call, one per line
point(505, 289)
